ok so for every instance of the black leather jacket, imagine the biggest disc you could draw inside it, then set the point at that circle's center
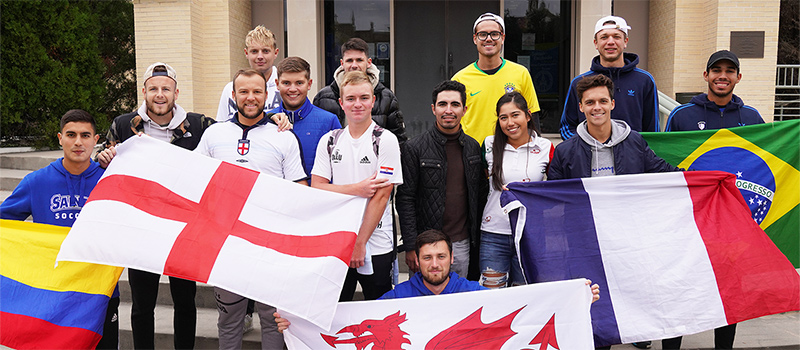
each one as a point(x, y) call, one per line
point(421, 197)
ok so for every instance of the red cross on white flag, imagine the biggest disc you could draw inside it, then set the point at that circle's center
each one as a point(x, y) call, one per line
point(163, 209)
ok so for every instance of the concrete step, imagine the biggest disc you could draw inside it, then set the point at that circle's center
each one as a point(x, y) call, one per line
point(204, 298)
point(10, 178)
point(4, 150)
point(206, 336)
point(29, 160)
point(775, 332)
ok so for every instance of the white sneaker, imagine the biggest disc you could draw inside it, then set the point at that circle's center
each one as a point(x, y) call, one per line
point(248, 323)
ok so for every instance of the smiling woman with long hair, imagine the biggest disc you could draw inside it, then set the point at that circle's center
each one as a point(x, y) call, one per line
point(516, 152)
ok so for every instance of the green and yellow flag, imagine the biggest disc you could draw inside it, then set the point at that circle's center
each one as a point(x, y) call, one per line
point(765, 159)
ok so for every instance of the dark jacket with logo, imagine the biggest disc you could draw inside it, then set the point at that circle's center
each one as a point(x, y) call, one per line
point(421, 197)
point(703, 114)
point(635, 97)
point(572, 159)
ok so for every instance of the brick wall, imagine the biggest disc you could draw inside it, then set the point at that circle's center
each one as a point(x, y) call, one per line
point(757, 87)
point(163, 34)
point(202, 39)
point(683, 33)
point(662, 44)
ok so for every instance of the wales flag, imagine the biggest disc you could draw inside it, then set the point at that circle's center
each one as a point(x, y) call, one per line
point(764, 159)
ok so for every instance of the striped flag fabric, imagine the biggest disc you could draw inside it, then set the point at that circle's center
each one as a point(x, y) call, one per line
point(165, 210)
point(674, 253)
point(766, 161)
point(43, 306)
point(540, 316)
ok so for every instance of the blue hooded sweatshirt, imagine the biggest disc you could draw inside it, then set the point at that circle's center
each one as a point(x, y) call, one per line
point(635, 97)
point(415, 287)
point(51, 195)
point(703, 114)
point(310, 123)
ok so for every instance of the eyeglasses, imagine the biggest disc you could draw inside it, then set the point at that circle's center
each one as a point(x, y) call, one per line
point(483, 35)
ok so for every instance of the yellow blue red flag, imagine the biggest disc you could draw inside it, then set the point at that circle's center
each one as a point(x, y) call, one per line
point(43, 306)
point(765, 159)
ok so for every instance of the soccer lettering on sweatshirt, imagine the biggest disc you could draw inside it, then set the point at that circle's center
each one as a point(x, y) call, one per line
point(66, 202)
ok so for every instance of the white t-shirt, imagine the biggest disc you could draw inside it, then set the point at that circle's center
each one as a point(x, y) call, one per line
point(353, 160)
point(227, 106)
point(526, 163)
point(260, 147)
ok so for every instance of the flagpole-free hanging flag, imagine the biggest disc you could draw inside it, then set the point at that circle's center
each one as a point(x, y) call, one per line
point(43, 306)
point(674, 253)
point(543, 316)
point(765, 159)
point(163, 209)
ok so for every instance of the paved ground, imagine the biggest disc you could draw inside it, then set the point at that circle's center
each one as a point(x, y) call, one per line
point(775, 332)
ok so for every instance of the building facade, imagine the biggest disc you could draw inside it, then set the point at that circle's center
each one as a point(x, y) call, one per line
point(416, 44)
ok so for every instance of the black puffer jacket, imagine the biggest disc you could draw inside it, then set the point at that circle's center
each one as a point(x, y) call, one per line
point(421, 197)
point(385, 112)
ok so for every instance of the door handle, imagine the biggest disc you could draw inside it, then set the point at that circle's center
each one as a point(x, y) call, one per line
point(449, 65)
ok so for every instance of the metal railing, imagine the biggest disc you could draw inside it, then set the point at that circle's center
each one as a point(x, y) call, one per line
point(665, 106)
point(787, 92)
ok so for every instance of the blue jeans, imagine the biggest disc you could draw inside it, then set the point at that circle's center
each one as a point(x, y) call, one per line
point(498, 260)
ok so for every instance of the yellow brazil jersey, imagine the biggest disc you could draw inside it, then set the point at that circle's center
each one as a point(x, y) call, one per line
point(484, 90)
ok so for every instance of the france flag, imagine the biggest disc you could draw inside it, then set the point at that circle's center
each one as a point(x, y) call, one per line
point(673, 253)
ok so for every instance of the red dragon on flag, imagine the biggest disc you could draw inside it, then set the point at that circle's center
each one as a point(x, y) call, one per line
point(383, 334)
point(469, 333)
point(513, 318)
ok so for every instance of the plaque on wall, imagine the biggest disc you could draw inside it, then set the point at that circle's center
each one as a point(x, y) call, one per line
point(748, 44)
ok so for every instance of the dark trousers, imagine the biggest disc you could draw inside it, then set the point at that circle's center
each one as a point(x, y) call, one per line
point(723, 339)
point(374, 285)
point(144, 292)
point(110, 339)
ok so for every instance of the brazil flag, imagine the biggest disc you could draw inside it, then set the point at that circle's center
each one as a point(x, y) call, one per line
point(765, 159)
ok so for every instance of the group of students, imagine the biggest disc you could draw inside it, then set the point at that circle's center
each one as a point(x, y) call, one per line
point(445, 179)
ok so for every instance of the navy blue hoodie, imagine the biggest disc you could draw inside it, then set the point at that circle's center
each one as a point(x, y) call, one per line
point(703, 114)
point(635, 97)
point(415, 287)
point(51, 195)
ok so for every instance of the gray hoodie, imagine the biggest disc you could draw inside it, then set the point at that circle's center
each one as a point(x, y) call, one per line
point(603, 153)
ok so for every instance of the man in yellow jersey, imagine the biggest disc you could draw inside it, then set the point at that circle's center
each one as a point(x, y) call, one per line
point(490, 77)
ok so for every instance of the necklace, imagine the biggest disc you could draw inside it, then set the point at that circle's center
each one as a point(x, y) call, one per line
point(527, 158)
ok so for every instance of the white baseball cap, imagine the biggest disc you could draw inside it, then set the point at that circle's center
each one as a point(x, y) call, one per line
point(170, 72)
point(488, 16)
point(619, 23)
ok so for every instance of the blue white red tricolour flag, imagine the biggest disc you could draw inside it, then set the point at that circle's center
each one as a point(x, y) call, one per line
point(163, 209)
point(387, 170)
point(674, 253)
point(541, 316)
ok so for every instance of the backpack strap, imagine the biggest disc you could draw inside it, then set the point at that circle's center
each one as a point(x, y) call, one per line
point(376, 138)
point(333, 139)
